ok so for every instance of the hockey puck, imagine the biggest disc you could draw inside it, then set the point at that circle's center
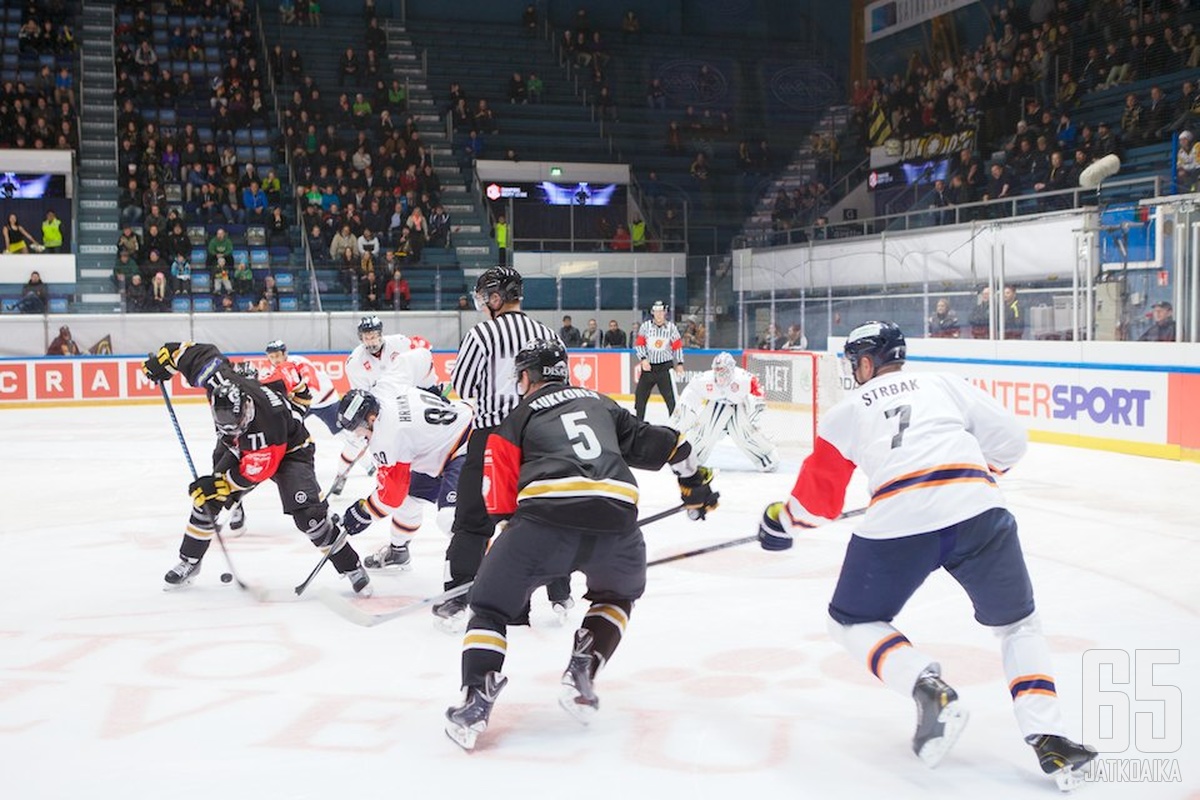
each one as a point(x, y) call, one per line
point(226, 577)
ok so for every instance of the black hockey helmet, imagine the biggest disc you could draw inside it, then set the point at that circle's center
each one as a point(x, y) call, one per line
point(232, 409)
point(367, 325)
point(354, 408)
point(882, 342)
point(246, 369)
point(545, 360)
point(276, 346)
point(659, 305)
point(505, 281)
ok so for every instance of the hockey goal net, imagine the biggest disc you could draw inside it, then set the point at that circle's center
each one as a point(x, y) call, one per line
point(799, 386)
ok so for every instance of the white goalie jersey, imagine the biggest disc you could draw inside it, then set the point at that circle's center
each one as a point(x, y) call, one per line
point(725, 400)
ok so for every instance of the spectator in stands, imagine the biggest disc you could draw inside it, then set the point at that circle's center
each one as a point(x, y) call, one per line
point(16, 238)
point(369, 248)
point(981, 316)
point(222, 282)
point(397, 295)
point(1107, 142)
point(125, 266)
point(656, 95)
point(614, 337)
point(517, 92)
point(136, 294)
point(1159, 114)
point(64, 344)
point(34, 296)
point(630, 24)
point(370, 297)
point(314, 13)
point(52, 235)
point(243, 276)
point(1162, 328)
point(621, 241)
point(268, 296)
point(1133, 132)
point(770, 340)
point(349, 67)
point(439, 227)
point(591, 335)
point(1014, 314)
point(158, 299)
point(943, 323)
point(570, 335)
point(999, 186)
point(342, 241)
point(254, 201)
point(181, 274)
point(418, 233)
point(277, 229)
point(287, 11)
point(220, 245)
point(606, 105)
point(177, 240)
point(534, 86)
point(155, 241)
point(464, 303)
point(1187, 163)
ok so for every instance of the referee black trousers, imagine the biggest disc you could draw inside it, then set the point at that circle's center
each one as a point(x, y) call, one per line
point(660, 376)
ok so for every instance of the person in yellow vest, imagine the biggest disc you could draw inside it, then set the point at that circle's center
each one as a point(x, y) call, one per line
point(500, 231)
point(637, 232)
point(52, 238)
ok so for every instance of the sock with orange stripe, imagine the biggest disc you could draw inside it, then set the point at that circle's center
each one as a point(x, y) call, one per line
point(406, 520)
point(886, 652)
point(1028, 667)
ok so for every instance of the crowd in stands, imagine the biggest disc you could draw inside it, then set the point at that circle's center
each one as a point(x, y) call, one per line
point(38, 101)
point(1019, 89)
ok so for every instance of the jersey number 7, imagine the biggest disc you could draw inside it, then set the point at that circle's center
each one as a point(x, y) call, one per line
point(905, 413)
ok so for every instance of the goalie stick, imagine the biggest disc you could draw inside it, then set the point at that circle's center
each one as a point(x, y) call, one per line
point(345, 608)
point(259, 593)
point(712, 548)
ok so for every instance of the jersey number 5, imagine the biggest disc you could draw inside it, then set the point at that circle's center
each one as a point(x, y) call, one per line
point(580, 434)
point(904, 413)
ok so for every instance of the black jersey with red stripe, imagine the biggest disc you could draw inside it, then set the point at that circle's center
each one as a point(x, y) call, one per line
point(275, 429)
point(564, 455)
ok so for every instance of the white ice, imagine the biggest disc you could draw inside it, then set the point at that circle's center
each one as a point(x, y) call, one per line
point(727, 684)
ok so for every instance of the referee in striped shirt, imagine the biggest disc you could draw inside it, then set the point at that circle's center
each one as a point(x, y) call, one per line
point(659, 348)
point(483, 375)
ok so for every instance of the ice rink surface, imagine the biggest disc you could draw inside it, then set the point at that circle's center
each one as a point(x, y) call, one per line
point(726, 685)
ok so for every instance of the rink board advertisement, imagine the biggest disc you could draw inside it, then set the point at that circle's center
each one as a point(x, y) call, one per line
point(96, 381)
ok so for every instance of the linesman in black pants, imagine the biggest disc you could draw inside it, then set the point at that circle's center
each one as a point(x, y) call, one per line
point(660, 348)
point(483, 375)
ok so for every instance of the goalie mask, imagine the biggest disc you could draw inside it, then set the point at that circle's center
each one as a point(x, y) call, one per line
point(723, 366)
point(354, 408)
point(370, 333)
point(232, 409)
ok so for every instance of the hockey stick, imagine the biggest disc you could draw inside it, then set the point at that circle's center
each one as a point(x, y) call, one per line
point(342, 606)
point(712, 548)
point(259, 594)
point(341, 538)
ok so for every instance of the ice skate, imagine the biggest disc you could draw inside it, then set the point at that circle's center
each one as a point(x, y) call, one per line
point(560, 609)
point(237, 521)
point(182, 574)
point(465, 722)
point(451, 615)
point(390, 557)
point(940, 719)
point(578, 698)
point(1063, 759)
point(360, 582)
point(339, 483)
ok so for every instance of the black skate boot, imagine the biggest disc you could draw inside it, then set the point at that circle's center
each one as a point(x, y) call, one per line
point(465, 722)
point(389, 557)
point(360, 582)
point(182, 574)
point(451, 615)
point(1062, 758)
point(940, 719)
point(578, 698)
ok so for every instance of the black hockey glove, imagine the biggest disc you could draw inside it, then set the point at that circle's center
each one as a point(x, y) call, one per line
point(211, 493)
point(357, 518)
point(772, 535)
point(697, 494)
point(160, 366)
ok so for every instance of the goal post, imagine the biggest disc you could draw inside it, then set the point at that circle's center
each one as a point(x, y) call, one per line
point(799, 385)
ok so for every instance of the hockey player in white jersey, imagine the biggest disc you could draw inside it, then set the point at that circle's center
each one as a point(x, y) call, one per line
point(930, 445)
point(375, 357)
point(417, 439)
point(725, 400)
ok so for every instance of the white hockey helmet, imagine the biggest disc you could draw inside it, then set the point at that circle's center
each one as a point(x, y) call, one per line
point(723, 366)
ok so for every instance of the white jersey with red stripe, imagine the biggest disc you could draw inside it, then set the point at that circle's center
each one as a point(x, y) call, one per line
point(401, 362)
point(930, 445)
point(742, 390)
point(416, 430)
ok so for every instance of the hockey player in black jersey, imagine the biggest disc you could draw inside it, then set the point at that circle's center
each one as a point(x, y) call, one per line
point(260, 438)
point(558, 468)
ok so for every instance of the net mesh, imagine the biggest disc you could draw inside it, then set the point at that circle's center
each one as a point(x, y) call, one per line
point(799, 385)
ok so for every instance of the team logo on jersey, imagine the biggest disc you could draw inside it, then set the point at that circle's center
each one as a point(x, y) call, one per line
point(451, 498)
point(659, 344)
point(367, 365)
point(255, 463)
point(301, 497)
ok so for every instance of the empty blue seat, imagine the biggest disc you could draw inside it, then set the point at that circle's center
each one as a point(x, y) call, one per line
point(260, 136)
point(201, 281)
point(58, 305)
point(199, 256)
point(181, 305)
point(285, 281)
point(241, 255)
point(241, 136)
point(260, 257)
point(289, 303)
point(202, 303)
point(280, 253)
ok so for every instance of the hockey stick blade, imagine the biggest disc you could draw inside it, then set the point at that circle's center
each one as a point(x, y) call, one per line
point(344, 608)
point(712, 548)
